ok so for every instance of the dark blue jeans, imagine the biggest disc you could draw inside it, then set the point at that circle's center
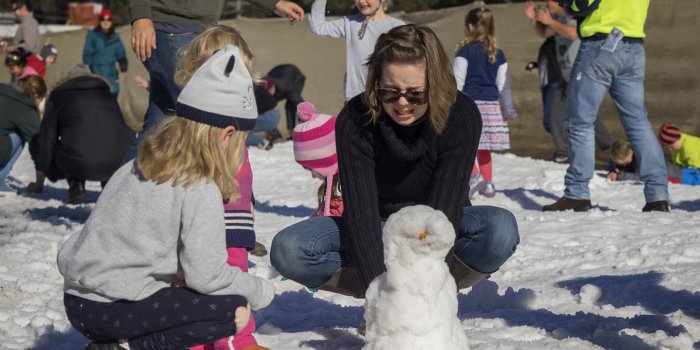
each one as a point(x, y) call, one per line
point(266, 121)
point(172, 318)
point(309, 252)
point(162, 89)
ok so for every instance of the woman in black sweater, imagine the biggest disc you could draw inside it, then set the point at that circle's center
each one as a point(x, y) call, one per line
point(410, 139)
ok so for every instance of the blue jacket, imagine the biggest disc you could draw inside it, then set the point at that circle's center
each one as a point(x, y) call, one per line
point(102, 53)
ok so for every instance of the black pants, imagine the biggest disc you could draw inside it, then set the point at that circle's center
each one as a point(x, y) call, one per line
point(172, 318)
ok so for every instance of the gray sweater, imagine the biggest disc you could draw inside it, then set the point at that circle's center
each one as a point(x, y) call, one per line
point(357, 50)
point(202, 13)
point(138, 234)
point(27, 34)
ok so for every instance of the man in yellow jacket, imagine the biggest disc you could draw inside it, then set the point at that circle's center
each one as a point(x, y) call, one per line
point(611, 59)
point(685, 152)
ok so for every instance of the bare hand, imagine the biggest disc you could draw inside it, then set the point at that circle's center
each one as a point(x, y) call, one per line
point(140, 81)
point(288, 9)
point(529, 9)
point(543, 17)
point(143, 38)
point(612, 176)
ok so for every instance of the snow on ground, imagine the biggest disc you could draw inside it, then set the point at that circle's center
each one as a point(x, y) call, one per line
point(611, 278)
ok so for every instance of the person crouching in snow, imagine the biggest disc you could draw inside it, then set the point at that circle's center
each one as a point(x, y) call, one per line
point(163, 213)
point(685, 151)
point(314, 149)
point(409, 139)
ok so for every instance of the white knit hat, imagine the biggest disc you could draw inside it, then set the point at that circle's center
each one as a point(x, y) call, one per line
point(220, 93)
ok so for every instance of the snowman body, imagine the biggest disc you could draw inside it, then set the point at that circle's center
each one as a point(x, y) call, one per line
point(413, 305)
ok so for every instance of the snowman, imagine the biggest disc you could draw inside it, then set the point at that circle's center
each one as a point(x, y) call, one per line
point(413, 305)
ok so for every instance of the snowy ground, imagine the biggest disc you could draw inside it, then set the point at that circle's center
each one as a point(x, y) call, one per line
point(611, 278)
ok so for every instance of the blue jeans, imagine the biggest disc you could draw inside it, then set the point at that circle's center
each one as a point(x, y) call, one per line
point(266, 121)
point(309, 252)
point(162, 89)
point(16, 151)
point(595, 73)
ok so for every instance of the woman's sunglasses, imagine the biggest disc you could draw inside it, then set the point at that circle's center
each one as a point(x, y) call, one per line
point(105, 19)
point(414, 97)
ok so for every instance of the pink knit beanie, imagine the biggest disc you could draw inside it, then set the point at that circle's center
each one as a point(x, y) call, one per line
point(314, 146)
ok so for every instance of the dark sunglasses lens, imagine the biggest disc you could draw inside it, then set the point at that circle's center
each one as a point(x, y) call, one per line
point(388, 96)
point(416, 97)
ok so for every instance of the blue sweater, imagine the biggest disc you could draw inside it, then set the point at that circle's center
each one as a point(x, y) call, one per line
point(482, 80)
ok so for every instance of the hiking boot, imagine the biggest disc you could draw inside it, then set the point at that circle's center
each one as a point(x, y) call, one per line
point(104, 346)
point(656, 206)
point(568, 204)
point(273, 135)
point(464, 275)
point(476, 184)
point(76, 192)
point(345, 281)
point(259, 250)
point(489, 190)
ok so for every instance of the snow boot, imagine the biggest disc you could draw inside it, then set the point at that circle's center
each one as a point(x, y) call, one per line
point(76, 191)
point(564, 203)
point(345, 281)
point(464, 275)
point(476, 184)
point(661, 206)
point(489, 191)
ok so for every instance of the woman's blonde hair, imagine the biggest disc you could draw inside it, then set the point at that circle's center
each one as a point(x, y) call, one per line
point(187, 151)
point(204, 45)
point(483, 30)
point(414, 44)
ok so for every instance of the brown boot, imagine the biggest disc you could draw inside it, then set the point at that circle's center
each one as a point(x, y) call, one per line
point(464, 275)
point(259, 250)
point(345, 281)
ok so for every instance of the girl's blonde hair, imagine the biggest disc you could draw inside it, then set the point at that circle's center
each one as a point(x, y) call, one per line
point(204, 45)
point(414, 44)
point(187, 151)
point(483, 30)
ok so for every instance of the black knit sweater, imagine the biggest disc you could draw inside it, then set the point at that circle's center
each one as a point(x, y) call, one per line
point(385, 167)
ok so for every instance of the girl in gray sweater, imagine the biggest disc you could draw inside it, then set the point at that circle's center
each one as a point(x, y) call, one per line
point(162, 215)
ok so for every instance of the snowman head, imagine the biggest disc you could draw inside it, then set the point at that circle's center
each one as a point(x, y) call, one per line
point(416, 232)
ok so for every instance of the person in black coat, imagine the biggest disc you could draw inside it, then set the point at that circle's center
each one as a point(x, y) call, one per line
point(83, 135)
point(287, 83)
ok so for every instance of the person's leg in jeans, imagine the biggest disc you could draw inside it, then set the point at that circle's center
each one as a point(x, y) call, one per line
point(627, 92)
point(590, 80)
point(162, 90)
point(558, 126)
point(308, 252)
point(266, 121)
point(488, 236)
point(172, 318)
point(17, 147)
point(548, 94)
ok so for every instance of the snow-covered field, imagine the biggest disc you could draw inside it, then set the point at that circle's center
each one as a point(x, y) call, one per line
point(611, 278)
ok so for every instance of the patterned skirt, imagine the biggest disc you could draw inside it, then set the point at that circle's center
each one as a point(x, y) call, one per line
point(494, 132)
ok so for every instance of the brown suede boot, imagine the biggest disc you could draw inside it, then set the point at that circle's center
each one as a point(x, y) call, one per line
point(464, 275)
point(345, 281)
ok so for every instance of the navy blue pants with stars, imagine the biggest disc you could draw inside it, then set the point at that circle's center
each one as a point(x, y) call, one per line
point(172, 318)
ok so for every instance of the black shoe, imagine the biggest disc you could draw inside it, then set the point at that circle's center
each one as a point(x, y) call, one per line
point(656, 206)
point(273, 135)
point(568, 204)
point(104, 346)
point(76, 192)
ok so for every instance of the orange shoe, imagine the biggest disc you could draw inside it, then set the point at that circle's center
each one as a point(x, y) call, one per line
point(255, 347)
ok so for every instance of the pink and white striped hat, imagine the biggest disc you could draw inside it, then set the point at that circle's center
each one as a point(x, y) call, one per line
point(314, 145)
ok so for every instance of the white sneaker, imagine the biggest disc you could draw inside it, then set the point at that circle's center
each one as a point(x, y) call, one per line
point(489, 190)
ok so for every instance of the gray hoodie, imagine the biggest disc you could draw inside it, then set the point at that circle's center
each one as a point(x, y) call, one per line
point(140, 232)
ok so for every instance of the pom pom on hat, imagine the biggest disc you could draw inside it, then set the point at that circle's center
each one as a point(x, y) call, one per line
point(669, 133)
point(314, 146)
point(48, 50)
point(220, 93)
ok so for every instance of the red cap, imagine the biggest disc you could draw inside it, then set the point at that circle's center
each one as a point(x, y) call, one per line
point(106, 13)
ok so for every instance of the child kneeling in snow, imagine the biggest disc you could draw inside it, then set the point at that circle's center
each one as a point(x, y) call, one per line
point(163, 213)
point(314, 149)
point(685, 151)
